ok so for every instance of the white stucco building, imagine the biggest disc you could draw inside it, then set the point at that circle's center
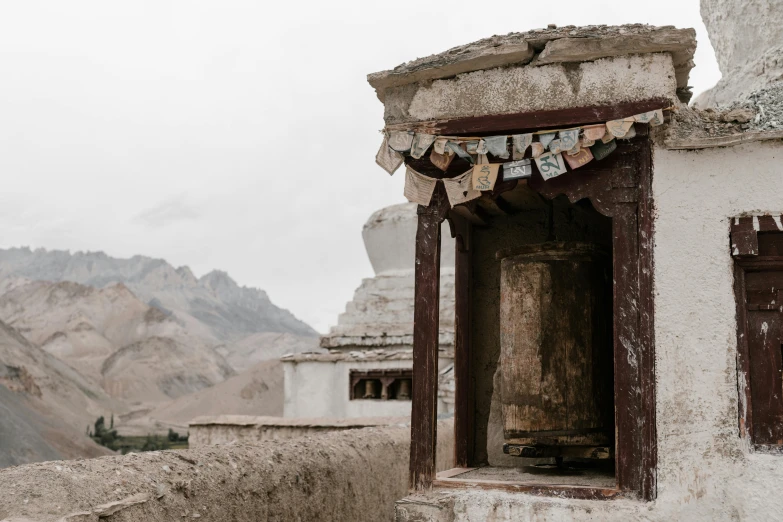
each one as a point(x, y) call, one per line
point(367, 371)
point(685, 218)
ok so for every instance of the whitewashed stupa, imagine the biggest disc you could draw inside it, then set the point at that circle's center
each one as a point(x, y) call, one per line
point(367, 371)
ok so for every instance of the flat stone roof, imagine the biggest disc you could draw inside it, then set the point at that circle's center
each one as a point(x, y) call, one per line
point(546, 46)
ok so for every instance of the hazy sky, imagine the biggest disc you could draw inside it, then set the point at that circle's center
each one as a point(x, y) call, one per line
point(232, 134)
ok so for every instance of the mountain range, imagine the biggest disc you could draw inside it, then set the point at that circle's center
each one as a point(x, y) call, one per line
point(136, 338)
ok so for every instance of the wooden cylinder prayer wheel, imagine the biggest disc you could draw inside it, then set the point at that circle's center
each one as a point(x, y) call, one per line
point(556, 345)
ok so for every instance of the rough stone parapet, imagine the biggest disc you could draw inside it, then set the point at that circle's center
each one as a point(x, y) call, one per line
point(350, 475)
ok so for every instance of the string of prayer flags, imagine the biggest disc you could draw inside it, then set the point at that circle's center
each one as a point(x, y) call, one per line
point(517, 170)
point(440, 145)
point(568, 138)
point(601, 150)
point(442, 161)
point(618, 128)
point(400, 141)
point(550, 165)
point(552, 149)
point(418, 188)
point(484, 176)
point(459, 151)
point(580, 159)
point(421, 142)
point(546, 138)
point(460, 189)
point(387, 158)
point(497, 146)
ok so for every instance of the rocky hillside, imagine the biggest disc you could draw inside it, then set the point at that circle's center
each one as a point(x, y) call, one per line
point(135, 338)
point(214, 301)
point(45, 405)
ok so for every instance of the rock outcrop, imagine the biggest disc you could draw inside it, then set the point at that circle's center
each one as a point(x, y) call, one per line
point(748, 40)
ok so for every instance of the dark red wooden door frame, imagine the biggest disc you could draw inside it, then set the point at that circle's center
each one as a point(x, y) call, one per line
point(619, 187)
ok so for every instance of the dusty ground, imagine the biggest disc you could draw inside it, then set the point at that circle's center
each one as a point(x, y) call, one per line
point(351, 475)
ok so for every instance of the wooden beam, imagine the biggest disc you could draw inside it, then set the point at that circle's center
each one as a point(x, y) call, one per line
point(424, 414)
point(463, 400)
point(649, 435)
point(497, 123)
point(557, 491)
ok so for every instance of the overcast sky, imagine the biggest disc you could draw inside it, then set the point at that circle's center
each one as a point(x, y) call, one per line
point(232, 134)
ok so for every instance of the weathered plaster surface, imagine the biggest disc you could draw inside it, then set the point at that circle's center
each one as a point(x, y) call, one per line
point(530, 88)
point(705, 471)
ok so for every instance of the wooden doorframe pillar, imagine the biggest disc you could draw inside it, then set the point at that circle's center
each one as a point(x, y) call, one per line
point(424, 410)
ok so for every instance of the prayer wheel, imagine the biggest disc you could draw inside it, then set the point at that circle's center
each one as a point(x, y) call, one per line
point(556, 347)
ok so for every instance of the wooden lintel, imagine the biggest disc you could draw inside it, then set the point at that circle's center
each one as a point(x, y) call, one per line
point(484, 125)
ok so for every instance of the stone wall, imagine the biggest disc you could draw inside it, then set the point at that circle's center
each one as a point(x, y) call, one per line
point(230, 429)
point(351, 475)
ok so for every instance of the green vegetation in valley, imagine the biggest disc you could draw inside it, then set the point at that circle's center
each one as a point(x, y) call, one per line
point(128, 444)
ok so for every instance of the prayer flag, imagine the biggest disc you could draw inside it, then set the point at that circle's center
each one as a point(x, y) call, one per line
point(387, 158)
point(630, 134)
point(517, 170)
point(421, 142)
point(459, 151)
point(551, 165)
point(546, 139)
point(484, 176)
point(580, 159)
point(442, 161)
point(440, 145)
point(521, 143)
point(618, 128)
point(602, 150)
point(460, 189)
point(400, 141)
point(568, 138)
point(418, 188)
point(594, 132)
point(497, 146)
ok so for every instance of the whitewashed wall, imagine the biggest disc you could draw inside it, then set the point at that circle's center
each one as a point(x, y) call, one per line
point(705, 471)
point(320, 389)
